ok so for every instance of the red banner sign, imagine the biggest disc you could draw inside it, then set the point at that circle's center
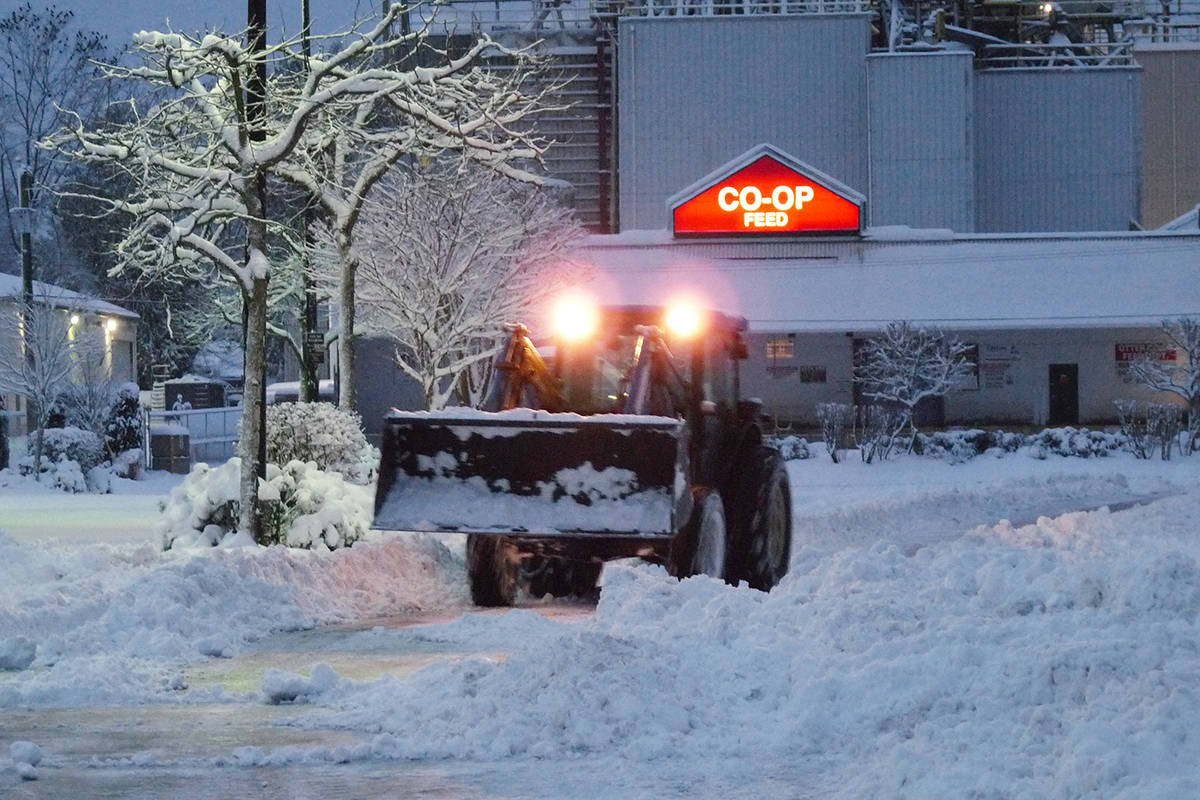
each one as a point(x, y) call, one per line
point(1128, 352)
point(767, 197)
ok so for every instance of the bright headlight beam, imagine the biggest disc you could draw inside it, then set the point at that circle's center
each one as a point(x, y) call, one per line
point(683, 320)
point(575, 318)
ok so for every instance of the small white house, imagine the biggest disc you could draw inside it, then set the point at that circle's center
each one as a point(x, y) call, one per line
point(111, 327)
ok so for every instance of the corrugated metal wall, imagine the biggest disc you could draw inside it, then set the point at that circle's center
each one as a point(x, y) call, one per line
point(697, 92)
point(921, 148)
point(1057, 149)
point(1170, 131)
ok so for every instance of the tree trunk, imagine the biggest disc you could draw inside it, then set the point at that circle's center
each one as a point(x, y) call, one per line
point(249, 517)
point(347, 396)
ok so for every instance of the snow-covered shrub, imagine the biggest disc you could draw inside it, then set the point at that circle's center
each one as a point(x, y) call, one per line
point(128, 464)
point(123, 424)
point(953, 446)
point(82, 447)
point(63, 474)
point(791, 447)
point(959, 446)
point(833, 418)
point(1150, 427)
point(321, 433)
point(1078, 442)
point(304, 507)
point(875, 431)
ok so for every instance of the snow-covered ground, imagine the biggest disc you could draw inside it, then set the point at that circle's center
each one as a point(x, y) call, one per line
point(988, 629)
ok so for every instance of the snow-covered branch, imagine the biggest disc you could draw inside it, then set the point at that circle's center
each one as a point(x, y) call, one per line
point(449, 255)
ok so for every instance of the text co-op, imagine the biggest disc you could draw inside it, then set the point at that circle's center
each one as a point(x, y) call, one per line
point(750, 198)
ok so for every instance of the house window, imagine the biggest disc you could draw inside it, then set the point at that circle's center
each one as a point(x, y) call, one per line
point(781, 347)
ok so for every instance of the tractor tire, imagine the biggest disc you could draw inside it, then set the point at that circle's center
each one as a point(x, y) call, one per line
point(701, 547)
point(761, 520)
point(493, 570)
point(561, 577)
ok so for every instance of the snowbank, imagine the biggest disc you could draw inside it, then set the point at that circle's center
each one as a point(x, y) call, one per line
point(117, 624)
point(1058, 659)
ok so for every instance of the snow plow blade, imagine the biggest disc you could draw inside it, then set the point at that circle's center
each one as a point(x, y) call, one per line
point(532, 472)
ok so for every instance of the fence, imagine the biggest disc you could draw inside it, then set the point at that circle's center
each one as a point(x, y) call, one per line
point(212, 432)
point(1013, 56)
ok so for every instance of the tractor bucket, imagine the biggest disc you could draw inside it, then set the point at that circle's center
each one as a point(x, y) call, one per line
point(532, 472)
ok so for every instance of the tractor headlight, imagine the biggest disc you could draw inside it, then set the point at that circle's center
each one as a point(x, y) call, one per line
point(575, 318)
point(683, 320)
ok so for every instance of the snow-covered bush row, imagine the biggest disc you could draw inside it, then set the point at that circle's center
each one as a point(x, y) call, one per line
point(963, 445)
point(322, 433)
point(958, 446)
point(1079, 442)
point(791, 447)
point(305, 507)
point(72, 461)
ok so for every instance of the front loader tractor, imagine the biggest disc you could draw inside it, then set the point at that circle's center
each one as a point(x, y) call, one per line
point(632, 439)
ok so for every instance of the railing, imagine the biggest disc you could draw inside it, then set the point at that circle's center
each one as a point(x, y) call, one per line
point(1026, 56)
point(1083, 9)
point(548, 16)
point(212, 432)
point(717, 8)
point(1153, 32)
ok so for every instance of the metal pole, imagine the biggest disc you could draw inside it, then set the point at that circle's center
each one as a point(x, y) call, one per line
point(26, 185)
point(26, 243)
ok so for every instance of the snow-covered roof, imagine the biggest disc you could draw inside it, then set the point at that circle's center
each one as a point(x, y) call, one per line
point(10, 287)
point(1187, 221)
point(957, 281)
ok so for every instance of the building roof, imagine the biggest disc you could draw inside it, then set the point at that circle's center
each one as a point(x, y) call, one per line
point(10, 287)
point(1133, 279)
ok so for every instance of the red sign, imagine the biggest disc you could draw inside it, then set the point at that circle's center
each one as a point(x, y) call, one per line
point(765, 197)
point(1128, 352)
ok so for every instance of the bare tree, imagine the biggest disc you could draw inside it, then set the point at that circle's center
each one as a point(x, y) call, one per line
point(906, 364)
point(48, 351)
point(449, 103)
point(197, 163)
point(449, 255)
point(46, 65)
point(1179, 379)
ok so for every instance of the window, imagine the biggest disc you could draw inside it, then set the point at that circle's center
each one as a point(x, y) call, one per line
point(781, 347)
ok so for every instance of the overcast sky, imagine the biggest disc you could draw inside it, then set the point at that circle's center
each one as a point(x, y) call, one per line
point(120, 18)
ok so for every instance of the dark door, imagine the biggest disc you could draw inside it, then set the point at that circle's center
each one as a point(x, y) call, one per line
point(1064, 394)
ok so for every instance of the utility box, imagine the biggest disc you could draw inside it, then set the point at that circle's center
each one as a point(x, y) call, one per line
point(170, 449)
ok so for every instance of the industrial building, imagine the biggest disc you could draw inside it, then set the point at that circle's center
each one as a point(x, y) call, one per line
point(998, 170)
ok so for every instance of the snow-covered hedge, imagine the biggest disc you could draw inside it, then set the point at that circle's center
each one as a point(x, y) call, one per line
point(323, 434)
point(305, 507)
point(1078, 442)
point(959, 446)
point(72, 460)
point(82, 447)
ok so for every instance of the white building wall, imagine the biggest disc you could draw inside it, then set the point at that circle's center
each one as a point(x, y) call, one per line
point(1013, 382)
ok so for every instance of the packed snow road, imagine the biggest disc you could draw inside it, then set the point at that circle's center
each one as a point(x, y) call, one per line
point(966, 630)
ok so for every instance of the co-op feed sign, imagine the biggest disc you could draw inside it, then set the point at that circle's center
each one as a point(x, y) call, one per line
point(766, 191)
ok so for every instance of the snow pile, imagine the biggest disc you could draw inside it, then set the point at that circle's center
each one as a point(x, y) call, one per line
point(26, 756)
point(1058, 659)
point(117, 624)
point(17, 653)
point(306, 507)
